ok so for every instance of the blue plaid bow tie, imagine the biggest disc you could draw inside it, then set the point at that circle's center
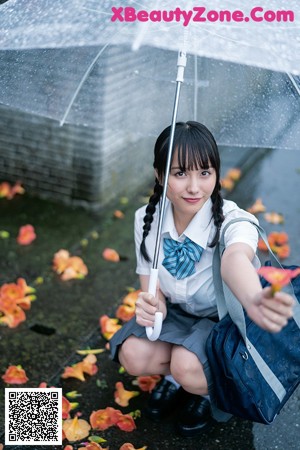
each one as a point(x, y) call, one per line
point(180, 257)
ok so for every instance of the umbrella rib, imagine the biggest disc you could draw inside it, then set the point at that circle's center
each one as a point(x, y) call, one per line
point(293, 81)
point(86, 74)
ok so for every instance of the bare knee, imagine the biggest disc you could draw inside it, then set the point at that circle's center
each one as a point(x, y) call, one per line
point(188, 371)
point(134, 357)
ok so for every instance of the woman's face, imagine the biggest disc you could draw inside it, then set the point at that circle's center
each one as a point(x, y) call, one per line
point(189, 190)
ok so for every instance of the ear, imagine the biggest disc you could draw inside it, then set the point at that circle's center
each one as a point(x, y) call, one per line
point(159, 178)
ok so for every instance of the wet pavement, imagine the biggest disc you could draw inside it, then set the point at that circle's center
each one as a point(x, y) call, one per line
point(65, 315)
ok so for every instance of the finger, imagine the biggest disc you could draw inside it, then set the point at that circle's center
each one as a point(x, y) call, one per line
point(145, 320)
point(274, 317)
point(273, 327)
point(282, 305)
point(147, 298)
point(284, 298)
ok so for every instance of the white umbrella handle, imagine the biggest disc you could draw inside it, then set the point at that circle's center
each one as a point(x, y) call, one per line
point(154, 332)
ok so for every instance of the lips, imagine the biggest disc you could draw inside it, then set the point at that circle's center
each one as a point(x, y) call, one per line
point(192, 200)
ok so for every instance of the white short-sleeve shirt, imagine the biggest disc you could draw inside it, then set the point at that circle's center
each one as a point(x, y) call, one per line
point(195, 293)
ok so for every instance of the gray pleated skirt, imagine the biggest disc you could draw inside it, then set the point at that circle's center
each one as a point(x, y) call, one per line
point(179, 328)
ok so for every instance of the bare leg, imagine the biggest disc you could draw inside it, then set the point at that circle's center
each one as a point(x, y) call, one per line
point(188, 371)
point(143, 357)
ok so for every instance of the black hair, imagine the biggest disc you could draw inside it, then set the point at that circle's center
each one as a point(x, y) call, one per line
point(196, 149)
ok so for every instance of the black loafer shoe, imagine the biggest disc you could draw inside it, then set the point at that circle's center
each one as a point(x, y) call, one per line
point(162, 400)
point(195, 416)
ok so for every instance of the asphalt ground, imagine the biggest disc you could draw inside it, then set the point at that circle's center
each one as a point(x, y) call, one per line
point(65, 316)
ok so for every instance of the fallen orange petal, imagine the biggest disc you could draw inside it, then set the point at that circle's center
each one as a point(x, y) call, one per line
point(282, 251)
point(60, 260)
point(234, 174)
point(129, 446)
point(5, 189)
point(26, 235)
point(93, 446)
point(104, 418)
point(125, 312)
point(66, 408)
point(76, 429)
point(274, 217)
point(109, 326)
point(12, 316)
point(109, 254)
point(148, 382)
point(126, 423)
point(119, 214)
point(257, 207)
point(89, 364)
point(131, 298)
point(15, 375)
point(74, 372)
point(17, 189)
point(262, 246)
point(122, 396)
point(227, 183)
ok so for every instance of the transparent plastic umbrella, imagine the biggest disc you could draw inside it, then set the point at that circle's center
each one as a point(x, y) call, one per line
point(50, 47)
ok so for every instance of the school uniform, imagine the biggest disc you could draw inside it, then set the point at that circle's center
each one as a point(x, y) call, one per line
point(191, 302)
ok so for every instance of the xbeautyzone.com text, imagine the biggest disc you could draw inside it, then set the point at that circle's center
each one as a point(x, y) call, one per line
point(200, 14)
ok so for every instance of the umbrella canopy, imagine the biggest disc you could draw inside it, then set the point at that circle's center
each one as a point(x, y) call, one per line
point(69, 61)
point(263, 36)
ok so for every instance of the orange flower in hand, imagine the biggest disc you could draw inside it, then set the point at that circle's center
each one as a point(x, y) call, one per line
point(26, 235)
point(122, 396)
point(15, 375)
point(278, 277)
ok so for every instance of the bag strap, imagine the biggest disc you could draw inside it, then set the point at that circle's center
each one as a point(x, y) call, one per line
point(228, 303)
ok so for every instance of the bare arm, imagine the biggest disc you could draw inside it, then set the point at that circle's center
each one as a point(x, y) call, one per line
point(147, 305)
point(270, 313)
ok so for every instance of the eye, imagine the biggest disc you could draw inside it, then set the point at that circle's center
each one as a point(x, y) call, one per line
point(180, 174)
point(205, 173)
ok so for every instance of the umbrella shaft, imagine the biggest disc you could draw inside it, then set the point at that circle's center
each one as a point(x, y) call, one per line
point(167, 171)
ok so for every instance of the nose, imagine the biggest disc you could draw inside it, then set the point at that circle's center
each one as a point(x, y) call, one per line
point(193, 184)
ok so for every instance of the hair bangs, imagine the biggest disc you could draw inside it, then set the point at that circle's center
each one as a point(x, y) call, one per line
point(193, 154)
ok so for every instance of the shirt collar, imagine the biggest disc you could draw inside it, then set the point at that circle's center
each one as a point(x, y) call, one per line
point(198, 229)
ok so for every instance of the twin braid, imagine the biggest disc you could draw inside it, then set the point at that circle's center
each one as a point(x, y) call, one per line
point(217, 210)
point(148, 219)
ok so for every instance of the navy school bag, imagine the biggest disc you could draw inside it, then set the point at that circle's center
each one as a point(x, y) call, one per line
point(254, 372)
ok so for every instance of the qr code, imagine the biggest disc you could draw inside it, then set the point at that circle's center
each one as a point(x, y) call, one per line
point(33, 416)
